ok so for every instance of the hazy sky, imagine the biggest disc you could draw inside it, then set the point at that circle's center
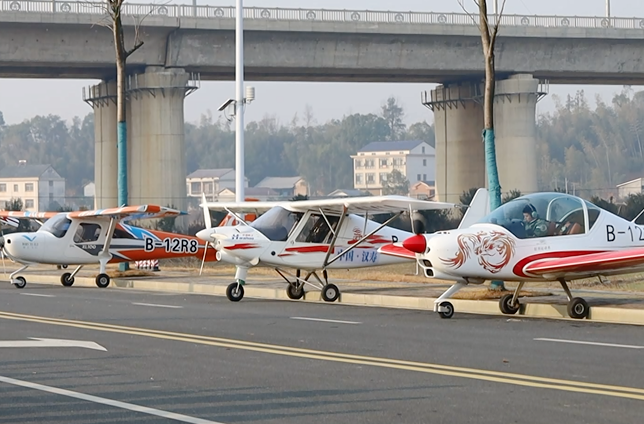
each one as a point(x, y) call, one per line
point(23, 99)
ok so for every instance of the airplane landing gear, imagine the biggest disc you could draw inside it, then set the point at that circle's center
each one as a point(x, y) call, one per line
point(509, 303)
point(330, 293)
point(446, 310)
point(67, 280)
point(102, 280)
point(578, 308)
point(295, 291)
point(235, 292)
point(19, 282)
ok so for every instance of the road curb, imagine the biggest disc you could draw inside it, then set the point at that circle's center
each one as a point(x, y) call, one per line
point(604, 314)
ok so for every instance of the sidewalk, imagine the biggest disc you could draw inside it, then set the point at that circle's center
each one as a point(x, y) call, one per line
point(606, 306)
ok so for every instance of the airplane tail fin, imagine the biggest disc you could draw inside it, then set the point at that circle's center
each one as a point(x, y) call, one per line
point(479, 207)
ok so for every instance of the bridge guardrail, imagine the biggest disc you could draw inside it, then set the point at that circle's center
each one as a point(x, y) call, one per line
point(317, 15)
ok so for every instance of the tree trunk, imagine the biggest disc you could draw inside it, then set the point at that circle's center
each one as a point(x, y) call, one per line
point(121, 56)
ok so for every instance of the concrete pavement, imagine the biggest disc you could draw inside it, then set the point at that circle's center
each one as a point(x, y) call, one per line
point(607, 306)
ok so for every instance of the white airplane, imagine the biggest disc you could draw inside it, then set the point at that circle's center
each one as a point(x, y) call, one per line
point(538, 237)
point(308, 235)
point(89, 237)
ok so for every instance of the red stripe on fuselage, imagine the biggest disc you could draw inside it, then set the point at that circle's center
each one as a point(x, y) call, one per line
point(308, 249)
point(518, 268)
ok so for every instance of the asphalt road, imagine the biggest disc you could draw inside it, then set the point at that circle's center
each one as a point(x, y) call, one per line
point(211, 360)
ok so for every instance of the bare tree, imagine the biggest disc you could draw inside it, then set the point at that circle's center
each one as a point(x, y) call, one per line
point(488, 41)
point(114, 22)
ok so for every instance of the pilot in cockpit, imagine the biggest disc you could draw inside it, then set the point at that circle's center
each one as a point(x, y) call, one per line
point(533, 224)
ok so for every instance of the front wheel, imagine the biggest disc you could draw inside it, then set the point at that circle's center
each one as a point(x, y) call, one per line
point(19, 282)
point(506, 306)
point(102, 280)
point(66, 279)
point(330, 293)
point(235, 292)
point(447, 310)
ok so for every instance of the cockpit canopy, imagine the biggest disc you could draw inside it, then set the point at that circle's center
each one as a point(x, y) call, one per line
point(57, 225)
point(558, 213)
point(276, 223)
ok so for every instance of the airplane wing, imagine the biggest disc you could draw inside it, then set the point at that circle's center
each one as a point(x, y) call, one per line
point(612, 262)
point(357, 205)
point(128, 212)
point(26, 214)
point(9, 221)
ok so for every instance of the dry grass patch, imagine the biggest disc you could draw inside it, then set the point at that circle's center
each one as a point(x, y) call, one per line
point(487, 294)
point(130, 273)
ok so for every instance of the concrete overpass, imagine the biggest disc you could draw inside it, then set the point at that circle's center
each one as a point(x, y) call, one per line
point(64, 39)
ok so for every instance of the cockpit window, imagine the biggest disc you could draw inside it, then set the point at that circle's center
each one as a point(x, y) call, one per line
point(276, 223)
point(57, 225)
point(541, 215)
point(316, 229)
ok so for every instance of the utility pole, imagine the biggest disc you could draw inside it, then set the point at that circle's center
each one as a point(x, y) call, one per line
point(239, 102)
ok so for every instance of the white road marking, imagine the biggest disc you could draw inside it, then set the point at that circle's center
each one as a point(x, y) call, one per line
point(326, 320)
point(591, 343)
point(36, 294)
point(108, 402)
point(38, 342)
point(158, 306)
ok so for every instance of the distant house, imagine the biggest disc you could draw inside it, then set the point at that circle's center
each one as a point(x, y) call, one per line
point(286, 186)
point(210, 182)
point(635, 186)
point(39, 187)
point(352, 192)
point(257, 193)
point(415, 159)
point(425, 190)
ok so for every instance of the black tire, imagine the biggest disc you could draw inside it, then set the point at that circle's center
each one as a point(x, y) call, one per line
point(67, 280)
point(102, 280)
point(330, 293)
point(506, 306)
point(449, 312)
point(295, 292)
point(20, 282)
point(235, 292)
point(578, 308)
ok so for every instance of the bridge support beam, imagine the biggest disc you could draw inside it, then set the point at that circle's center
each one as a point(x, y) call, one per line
point(458, 125)
point(156, 148)
point(516, 132)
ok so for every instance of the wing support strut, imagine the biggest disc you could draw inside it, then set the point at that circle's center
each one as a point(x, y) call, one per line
point(335, 236)
point(356, 244)
point(237, 217)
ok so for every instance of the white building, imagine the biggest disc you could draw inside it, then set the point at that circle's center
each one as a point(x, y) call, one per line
point(211, 182)
point(286, 187)
point(415, 159)
point(39, 187)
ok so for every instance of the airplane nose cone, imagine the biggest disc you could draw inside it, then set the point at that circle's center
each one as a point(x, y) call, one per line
point(205, 234)
point(416, 244)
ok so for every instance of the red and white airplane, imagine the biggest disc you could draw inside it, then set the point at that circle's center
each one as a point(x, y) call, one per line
point(89, 237)
point(538, 237)
point(308, 235)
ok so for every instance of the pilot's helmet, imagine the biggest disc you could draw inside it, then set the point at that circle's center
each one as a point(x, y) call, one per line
point(530, 209)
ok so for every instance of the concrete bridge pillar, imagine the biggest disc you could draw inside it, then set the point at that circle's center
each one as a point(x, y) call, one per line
point(458, 122)
point(102, 97)
point(155, 126)
point(516, 132)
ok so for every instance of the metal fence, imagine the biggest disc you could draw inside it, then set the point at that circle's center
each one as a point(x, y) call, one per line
point(316, 15)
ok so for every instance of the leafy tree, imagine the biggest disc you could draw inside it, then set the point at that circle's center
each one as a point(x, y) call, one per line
point(633, 206)
point(299, 197)
point(393, 114)
point(14, 204)
point(422, 131)
point(167, 223)
point(396, 183)
point(605, 204)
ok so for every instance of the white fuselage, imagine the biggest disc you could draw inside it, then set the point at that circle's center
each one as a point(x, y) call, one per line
point(242, 245)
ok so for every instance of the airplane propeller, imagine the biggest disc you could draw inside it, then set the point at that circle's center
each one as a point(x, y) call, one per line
point(208, 224)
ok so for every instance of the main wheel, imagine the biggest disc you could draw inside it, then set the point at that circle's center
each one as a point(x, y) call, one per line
point(448, 312)
point(235, 292)
point(578, 308)
point(20, 282)
point(66, 279)
point(506, 306)
point(295, 292)
point(330, 293)
point(102, 280)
